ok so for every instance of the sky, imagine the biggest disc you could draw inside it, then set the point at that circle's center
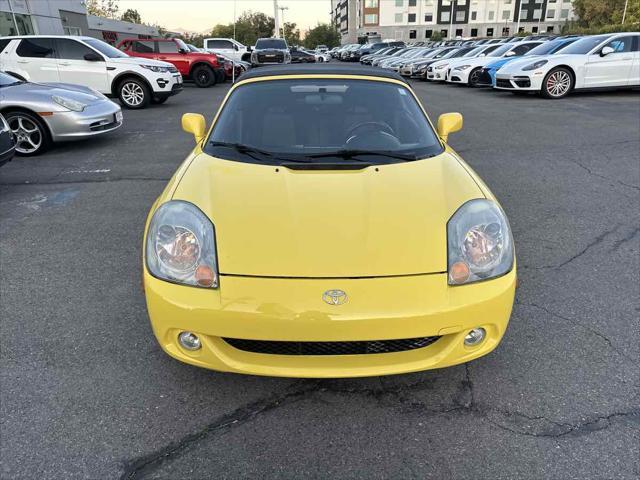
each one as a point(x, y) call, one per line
point(202, 15)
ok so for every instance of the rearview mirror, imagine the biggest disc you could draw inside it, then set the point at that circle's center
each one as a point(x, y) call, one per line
point(92, 57)
point(449, 123)
point(194, 123)
point(606, 51)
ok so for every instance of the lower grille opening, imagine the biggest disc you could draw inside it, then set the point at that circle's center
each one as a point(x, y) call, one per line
point(503, 83)
point(330, 348)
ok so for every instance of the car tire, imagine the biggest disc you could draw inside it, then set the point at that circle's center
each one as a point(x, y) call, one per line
point(557, 84)
point(159, 100)
point(474, 77)
point(203, 76)
point(32, 135)
point(134, 94)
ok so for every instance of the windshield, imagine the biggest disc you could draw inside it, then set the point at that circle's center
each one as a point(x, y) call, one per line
point(304, 118)
point(182, 45)
point(474, 52)
point(268, 43)
point(193, 48)
point(548, 48)
point(501, 50)
point(104, 48)
point(585, 45)
point(6, 80)
point(460, 52)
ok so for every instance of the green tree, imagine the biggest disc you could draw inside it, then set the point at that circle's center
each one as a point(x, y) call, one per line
point(292, 34)
point(103, 8)
point(132, 16)
point(250, 26)
point(322, 34)
point(596, 13)
point(436, 36)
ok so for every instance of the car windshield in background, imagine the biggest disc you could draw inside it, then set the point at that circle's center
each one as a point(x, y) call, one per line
point(6, 80)
point(104, 48)
point(321, 120)
point(182, 45)
point(498, 52)
point(549, 47)
point(271, 43)
point(584, 45)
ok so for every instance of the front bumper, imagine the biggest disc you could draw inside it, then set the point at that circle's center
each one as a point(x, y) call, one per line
point(520, 82)
point(436, 75)
point(459, 76)
point(95, 119)
point(292, 310)
point(486, 78)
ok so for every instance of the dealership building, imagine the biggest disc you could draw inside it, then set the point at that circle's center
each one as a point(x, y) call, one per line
point(418, 20)
point(64, 17)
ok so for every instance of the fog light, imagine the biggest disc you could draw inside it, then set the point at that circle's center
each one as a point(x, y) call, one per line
point(189, 341)
point(474, 337)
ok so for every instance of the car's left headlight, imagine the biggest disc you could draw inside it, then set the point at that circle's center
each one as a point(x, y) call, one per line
point(181, 246)
point(69, 103)
point(462, 67)
point(536, 65)
point(156, 68)
point(479, 243)
point(440, 67)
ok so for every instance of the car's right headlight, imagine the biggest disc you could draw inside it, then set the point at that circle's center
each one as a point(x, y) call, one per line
point(156, 68)
point(181, 246)
point(69, 103)
point(479, 243)
point(536, 65)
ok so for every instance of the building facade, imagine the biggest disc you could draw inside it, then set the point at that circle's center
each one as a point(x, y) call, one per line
point(416, 20)
point(64, 17)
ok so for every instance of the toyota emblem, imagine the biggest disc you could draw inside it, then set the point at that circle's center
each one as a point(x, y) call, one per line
point(334, 297)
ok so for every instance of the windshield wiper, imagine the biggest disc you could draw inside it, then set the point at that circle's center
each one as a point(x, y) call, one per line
point(351, 154)
point(254, 152)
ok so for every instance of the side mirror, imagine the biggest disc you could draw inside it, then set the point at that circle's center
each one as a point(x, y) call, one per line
point(449, 123)
point(236, 48)
point(92, 57)
point(606, 51)
point(194, 123)
point(182, 50)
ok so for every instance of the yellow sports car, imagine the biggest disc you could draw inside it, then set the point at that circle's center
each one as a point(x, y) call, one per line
point(323, 228)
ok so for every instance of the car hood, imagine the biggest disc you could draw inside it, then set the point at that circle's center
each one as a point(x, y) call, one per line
point(139, 61)
point(273, 221)
point(475, 62)
point(30, 91)
point(520, 62)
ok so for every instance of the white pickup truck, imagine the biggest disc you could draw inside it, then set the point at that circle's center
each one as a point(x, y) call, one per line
point(227, 47)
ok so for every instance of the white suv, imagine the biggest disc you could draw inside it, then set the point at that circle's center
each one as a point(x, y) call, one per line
point(228, 47)
point(90, 62)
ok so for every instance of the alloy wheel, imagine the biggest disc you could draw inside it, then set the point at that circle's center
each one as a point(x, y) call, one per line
point(27, 134)
point(558, 83)
point(132, 94)
point(203, 76)
point(474, 77)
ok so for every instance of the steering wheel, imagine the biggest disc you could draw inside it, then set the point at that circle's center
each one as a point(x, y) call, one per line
point(374, 135)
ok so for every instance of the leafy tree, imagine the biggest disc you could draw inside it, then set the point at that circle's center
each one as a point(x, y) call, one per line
point(596, 13)
point(436, 36)
point(103, 8)
point(292, 34)
point(250, 26)
point(322, 34)
point(132, 16)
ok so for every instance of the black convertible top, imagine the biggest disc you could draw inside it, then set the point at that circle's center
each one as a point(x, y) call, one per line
point(321, 69)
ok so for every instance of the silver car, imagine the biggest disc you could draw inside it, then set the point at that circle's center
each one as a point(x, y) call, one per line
point(40, 114)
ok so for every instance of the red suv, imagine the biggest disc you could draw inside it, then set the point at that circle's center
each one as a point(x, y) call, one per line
point(203, 68)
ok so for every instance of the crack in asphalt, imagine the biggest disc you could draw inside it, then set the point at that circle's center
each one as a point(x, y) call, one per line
point(582, 325)
point(464, 403)
point(97, 180)
point(596, 241)
point(630, 236)
point(591, 172)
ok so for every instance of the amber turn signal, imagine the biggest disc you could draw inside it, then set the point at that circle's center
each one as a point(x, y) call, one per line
point(459, 272)
point(205, 276)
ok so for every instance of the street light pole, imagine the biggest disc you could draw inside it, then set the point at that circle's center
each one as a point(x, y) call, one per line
point(282, 9)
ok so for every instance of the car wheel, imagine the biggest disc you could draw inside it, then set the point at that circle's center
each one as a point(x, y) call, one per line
point(134, 93)
point(557, 84)
point(203, 76)
point(32, 136)
point(159, 100)
point(474, 76)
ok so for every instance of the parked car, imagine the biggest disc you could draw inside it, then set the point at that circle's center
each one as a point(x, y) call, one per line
point(92, 63)
point(370, 48)
point(467, 71)
point(322, 48)
point(203, 68)
point(419, 68)
point(368, 59)
point(240, 67)
point(488, 73)
point(268, 51)
point(7, 139)
point(39, 114)
point(412, 234)
point(438, 70)
point(300, 56)
point(599, 61)
point(228, 47)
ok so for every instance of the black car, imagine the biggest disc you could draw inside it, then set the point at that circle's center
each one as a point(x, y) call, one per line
point(300, 56)
point(270, 51)
point(373, 48)
point(7, 142)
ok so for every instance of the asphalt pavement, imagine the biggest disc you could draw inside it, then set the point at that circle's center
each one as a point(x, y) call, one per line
point(86, 392)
